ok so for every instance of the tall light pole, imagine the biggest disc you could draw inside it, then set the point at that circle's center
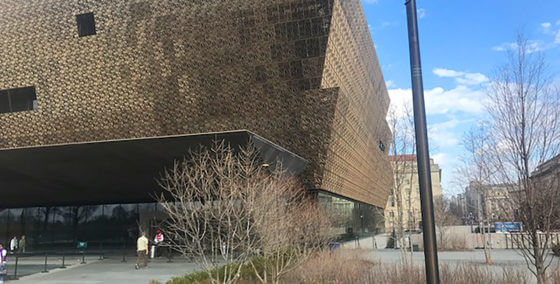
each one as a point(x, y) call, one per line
point(423, 155)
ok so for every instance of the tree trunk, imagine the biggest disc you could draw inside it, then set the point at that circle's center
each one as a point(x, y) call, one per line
point(539, 262)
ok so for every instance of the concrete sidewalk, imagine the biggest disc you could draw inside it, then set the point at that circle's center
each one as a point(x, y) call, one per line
point(112, 271)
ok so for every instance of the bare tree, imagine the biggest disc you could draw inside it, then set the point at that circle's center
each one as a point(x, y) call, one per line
point(225, 210)
point(206, 198)
point(444, 219)
point(477, 170)
point(525, 131)
point(290, 227)
point(402, 143)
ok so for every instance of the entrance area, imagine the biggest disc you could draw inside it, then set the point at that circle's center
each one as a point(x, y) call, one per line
point(103, 227)
point(101, 192)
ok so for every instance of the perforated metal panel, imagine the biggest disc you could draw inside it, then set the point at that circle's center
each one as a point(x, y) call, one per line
point(169, 67)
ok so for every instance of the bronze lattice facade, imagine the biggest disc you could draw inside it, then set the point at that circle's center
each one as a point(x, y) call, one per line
point(301, 73)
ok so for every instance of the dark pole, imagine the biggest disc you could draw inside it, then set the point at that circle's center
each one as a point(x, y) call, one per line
point(15, 269)
point(45, 267)
point(423, 155)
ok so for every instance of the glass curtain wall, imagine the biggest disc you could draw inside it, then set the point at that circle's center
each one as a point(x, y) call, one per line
point(102, 226)
point(351, 219)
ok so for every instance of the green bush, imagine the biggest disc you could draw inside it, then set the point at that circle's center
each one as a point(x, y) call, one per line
point(247, 272)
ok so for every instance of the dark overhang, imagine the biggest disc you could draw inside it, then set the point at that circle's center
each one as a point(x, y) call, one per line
point(105, 172)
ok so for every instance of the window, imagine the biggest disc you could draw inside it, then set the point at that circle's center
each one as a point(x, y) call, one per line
point(381, 146)
point(86, 24)
point(19, 99)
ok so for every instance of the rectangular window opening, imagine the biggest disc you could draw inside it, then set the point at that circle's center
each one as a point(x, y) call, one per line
point(381, 146)
point(86, 24)
point(18, 99)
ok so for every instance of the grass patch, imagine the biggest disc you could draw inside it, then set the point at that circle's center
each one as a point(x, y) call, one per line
point(352, 266)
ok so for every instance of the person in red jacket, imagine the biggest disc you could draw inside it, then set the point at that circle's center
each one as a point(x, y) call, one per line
point(158, 240)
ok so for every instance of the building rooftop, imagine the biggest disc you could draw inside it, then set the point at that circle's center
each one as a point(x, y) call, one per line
point(401, 158)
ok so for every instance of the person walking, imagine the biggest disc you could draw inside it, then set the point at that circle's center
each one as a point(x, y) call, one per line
point(22, 244)
point(142, 251)
point(3, 263)
point(13, 245)
point(158, 240)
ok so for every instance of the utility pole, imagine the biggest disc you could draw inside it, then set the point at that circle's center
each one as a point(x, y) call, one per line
point(423, 155)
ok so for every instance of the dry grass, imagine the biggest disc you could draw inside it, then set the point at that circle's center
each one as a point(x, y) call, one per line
point(554, 276)
point(454, 242)
point(349, 266)
point(341, 266)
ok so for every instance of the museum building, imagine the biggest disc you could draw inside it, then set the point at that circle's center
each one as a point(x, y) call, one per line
point(97, 98)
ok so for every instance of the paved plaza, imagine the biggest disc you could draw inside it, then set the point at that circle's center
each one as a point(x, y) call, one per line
point(111, 271)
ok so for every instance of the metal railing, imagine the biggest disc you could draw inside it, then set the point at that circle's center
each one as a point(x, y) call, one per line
point(516, 240)
point(23, 264)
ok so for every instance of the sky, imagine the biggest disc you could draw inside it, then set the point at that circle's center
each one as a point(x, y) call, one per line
point(462, 43)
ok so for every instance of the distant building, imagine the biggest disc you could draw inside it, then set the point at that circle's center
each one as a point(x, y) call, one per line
point(488, 201)
point(548, 173)
point(458, 205)
point(493, 201)
point(405, 181)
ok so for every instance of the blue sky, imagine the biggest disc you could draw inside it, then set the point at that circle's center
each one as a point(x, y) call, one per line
point(461, 43)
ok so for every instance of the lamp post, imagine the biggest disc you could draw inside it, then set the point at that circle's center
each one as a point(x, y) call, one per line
point(423, 156)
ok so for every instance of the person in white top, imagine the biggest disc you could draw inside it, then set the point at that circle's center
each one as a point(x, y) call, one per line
point(3, 263)
point(13, 244)
point(142, 251)
point(158, 240)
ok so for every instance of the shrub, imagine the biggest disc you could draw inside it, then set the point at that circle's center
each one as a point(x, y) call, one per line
point(455, 242)
point(340, 266)
point(203, 277)
point(391, 241)
point(351, 266)
point(247, 273)
point(556, 249)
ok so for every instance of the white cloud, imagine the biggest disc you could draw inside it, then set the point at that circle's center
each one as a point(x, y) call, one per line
point(472, 79)
point(444, 134)
point(505, 46)
point(461, 99)
point(390, 84)
point(443, 139)
point(498, 48)
point(532, 46)
point(421, 13)
point(546, 28)
point(463, 78)
point(386, 24)
point(442, 72)
point(441, 159)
